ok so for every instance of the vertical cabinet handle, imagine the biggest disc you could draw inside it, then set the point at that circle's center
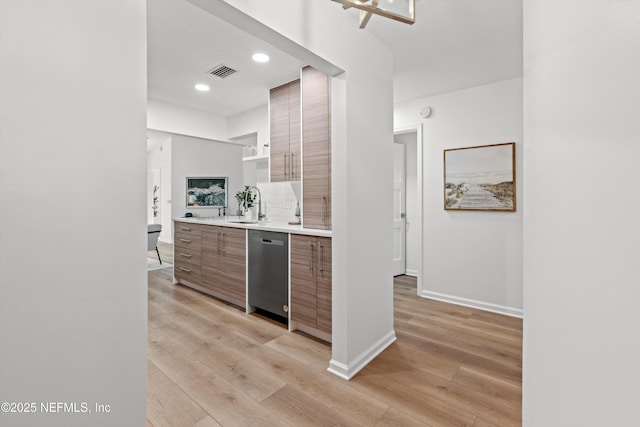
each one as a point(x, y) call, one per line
point(218, 242)
point(319, 260)
point(310, 256)
point(323, 205)
point(223, 250)
point(291, 165)
point(284, 166)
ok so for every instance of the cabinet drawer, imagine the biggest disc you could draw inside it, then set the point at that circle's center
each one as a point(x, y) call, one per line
point(187, 228)
point(187, 241)
point(186, 271)
point(188, 256)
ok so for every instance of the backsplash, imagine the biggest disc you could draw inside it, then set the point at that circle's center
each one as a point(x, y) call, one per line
point(280, 199)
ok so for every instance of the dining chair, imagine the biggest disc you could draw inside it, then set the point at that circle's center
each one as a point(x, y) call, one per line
point(153, 233)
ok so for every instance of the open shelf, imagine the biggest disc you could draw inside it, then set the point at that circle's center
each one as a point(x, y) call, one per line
point(255, 158)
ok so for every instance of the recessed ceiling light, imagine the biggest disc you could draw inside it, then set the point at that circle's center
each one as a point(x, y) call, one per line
point(202, 87)
point(260, 57)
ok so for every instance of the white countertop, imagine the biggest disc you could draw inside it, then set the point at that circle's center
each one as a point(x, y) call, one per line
point(230, 221)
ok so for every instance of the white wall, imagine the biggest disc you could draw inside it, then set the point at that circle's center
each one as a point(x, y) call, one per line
point(254, 123)
point(256, 120)
point(173, 118)
point(73, 179)
point(471, 258)
point(409, 140)
point(195, 157)
point(581, 292)
point(159, 157)
point(362, 146)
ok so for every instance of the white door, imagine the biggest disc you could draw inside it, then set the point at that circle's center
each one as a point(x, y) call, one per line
point(399, 209)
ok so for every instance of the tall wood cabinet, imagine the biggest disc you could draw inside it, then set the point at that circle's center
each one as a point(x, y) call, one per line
point(316, 149)
point(284, 125)
point(300, 125)
point(311, 284)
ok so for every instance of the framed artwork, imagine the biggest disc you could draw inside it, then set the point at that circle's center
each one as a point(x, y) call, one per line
point(206, 192)
point(481, 178)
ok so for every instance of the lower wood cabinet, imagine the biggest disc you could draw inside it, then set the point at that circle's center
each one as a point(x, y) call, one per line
point(211, 259)
point(224, 263)
point(311, 284)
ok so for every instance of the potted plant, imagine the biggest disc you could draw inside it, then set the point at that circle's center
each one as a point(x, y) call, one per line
point(245, 199)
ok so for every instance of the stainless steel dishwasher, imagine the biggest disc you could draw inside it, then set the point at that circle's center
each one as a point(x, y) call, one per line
point(268, 272)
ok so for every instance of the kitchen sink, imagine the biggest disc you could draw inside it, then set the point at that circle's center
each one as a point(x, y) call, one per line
point(243, 222)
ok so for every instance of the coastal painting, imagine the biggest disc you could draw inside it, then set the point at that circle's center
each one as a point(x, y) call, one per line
point(206, 192)
point(481, 178)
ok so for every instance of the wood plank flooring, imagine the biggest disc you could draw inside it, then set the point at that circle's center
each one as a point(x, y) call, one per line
point(210, 364)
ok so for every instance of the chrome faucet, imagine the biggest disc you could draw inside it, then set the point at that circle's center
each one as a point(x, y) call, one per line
point(261, 215)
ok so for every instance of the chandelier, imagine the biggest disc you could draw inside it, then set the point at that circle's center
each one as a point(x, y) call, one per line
point(399, 10)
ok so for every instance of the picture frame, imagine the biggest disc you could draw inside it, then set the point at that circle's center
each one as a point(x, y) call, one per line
point(480, 178)
point(206, 192)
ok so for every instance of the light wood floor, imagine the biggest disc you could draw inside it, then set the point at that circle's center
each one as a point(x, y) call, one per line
point(210, 364)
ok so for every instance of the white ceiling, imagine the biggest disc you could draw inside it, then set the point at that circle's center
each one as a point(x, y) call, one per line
point(185, 42)
point(454, 44)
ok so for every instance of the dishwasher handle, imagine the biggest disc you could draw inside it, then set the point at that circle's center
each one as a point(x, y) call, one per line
point(272, 242)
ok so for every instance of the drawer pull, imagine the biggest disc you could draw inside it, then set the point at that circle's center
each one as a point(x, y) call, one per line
point(186, 270)
point(185, 255)
point(185, 240)
point(185, 228)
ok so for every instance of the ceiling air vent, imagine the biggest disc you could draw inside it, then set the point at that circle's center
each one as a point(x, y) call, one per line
point(222, 71)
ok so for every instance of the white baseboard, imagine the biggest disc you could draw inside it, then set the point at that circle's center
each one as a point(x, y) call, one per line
point(480, 305)
point(346, 372)
point(410, 272)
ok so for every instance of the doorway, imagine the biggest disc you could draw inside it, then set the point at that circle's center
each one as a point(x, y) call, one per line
point(399, 209)
point(408, 217)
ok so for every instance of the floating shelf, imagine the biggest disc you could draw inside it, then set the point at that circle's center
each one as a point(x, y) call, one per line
point(255, 158)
